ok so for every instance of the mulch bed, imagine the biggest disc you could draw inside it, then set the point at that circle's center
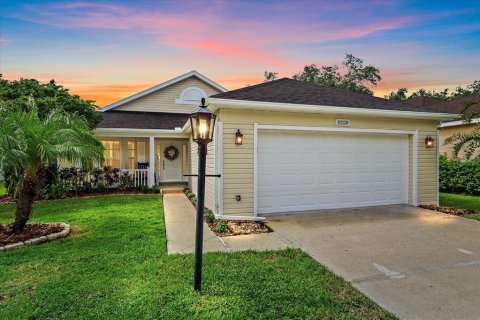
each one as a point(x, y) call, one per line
point(448, 210)
point(237, 227)
point(33, 230)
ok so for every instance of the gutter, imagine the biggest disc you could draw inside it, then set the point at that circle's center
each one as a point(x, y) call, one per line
point(217, 103)
point(458, 123)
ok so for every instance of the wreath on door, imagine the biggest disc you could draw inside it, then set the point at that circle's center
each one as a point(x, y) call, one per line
point(171, 153)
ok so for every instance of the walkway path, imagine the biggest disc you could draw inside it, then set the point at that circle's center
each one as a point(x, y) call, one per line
point(180, 229)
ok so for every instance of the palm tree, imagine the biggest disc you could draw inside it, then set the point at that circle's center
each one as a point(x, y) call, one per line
point(28, 145)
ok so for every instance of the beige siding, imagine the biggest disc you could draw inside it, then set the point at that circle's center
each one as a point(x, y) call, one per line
point(164, 100)
point(238, 160)
point(446, 132)
point(210, 169)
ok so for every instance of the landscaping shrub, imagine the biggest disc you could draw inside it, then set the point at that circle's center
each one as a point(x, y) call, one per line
point(209, 216)
point(101, 187)
point(125, 181)
point(459, 176)
point(146, 189)
point(155, 189)
point(56, 190)
point(221, 226)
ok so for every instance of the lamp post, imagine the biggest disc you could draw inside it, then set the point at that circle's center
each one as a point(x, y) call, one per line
point(202, 124)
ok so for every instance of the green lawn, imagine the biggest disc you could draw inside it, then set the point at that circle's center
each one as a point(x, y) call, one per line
point(115, 266)
point(462, 202)
point(3, 190)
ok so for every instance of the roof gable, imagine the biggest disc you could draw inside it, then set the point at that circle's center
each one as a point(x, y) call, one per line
point(163, 85)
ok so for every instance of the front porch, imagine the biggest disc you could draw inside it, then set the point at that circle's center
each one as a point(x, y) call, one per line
point(148, 160)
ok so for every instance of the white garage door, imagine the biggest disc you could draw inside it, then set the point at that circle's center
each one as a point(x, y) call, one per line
point(298, 171)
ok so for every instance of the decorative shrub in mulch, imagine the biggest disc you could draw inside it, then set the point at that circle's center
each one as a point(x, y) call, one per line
point(448, 210)
point(32, 231)
point(225, 228)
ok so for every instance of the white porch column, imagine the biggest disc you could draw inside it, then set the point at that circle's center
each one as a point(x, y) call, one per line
point(151, 167)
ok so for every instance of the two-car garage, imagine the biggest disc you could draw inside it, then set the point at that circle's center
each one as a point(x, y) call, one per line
point(310, 170)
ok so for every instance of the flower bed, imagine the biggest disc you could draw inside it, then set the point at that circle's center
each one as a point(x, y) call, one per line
point(448, 210)
point(226, 228)
point(33, 233)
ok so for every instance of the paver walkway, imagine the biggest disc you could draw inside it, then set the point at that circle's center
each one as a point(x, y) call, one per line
point(180, 230)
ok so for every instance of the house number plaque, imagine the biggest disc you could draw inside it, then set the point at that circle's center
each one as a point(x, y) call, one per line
point(343, 122)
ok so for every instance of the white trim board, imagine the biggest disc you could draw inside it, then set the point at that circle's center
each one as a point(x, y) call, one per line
point(217, 103)
point(414, 134)
point(458, 123)
point(162, 85)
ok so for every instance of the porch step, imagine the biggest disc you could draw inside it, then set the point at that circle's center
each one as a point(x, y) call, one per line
point(176, 187)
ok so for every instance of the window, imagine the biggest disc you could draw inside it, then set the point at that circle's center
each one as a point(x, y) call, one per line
point(131, 154)
point(191, 95)
point(112, 153)
point(141, 151)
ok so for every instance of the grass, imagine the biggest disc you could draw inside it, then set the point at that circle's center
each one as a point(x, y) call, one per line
point(115, 266)
point(462, 202)
point(3, 190)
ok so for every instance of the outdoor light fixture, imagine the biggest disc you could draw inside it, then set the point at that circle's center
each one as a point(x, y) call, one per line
point(202, 124)
point(429, 142)
point(238, 137)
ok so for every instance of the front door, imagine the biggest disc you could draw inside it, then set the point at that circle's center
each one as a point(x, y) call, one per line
point(170, 156)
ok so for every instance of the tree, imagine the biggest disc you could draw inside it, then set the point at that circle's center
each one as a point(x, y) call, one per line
point(356, 77)
point(399, 95)
point(465, 144)
point(18, 94)
point(446, 94)
point(29, 144)
point(270, 76)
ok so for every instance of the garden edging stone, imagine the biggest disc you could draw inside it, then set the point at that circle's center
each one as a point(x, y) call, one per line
point(62, 234)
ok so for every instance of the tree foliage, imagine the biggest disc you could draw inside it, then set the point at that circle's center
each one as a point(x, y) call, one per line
point(270, 76)
point(446, 94)
point(19, 94)
point(29, 144)
point(352, 75)
point(465, 145)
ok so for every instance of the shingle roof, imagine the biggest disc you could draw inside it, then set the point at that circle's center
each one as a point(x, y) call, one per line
point(423, 101)
point(291, 91)
point(142, 120)
point(456, 105)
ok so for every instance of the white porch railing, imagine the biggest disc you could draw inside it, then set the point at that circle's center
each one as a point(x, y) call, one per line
point(139, 176)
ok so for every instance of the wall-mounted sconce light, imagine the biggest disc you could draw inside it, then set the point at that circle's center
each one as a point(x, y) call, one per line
point(238, 137)
point(429, 142)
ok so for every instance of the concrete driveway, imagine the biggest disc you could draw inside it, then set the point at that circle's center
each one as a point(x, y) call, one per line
point(413, 262)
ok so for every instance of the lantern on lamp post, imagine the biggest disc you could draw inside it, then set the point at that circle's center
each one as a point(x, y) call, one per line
point(202, 124)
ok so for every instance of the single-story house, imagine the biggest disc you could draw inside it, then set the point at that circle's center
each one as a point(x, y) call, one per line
point(451, 127)
point(305, 146)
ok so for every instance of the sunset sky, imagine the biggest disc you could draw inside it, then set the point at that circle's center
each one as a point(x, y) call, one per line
point(106, 50)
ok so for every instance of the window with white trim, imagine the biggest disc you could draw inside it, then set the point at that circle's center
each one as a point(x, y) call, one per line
point(112, 153)
point(131, 154)
point(191, 95)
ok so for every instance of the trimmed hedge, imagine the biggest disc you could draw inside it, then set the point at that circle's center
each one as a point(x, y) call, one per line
point(459, 176)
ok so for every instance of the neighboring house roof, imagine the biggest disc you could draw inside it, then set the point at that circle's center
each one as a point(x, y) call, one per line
point(451, 106)
point(457, 105)
point(165, 84)
point(142, 120)
point(289, 91)
point(423, 101)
